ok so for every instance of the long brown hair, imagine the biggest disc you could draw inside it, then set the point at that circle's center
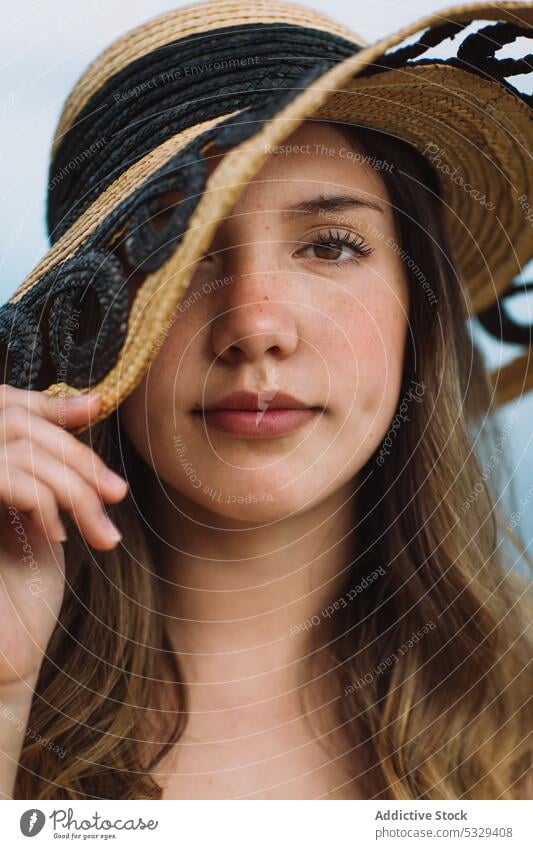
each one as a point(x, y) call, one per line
point(430, 641)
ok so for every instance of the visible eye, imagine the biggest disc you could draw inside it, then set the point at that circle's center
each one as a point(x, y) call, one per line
point(332, 244)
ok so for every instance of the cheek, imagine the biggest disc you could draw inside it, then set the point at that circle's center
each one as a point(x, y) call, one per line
point(367, 353)
point(177, 354)
point(148, 412)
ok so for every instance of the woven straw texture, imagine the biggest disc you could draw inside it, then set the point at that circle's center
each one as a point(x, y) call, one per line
point(475, 121)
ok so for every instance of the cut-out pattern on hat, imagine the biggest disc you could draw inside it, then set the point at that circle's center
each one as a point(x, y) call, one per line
point(34, 346)
point(476, 53)
point(95, 265)
point(500, 324)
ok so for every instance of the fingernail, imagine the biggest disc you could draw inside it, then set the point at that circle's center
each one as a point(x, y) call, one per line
point(111, 530)
point(82, 400)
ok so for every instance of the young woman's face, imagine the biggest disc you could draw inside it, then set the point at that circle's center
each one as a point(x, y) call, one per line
point(272, 310)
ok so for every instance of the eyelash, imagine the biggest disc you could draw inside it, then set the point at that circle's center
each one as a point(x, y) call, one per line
point(353, 240)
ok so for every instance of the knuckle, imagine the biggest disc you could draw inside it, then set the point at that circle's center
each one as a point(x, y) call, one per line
point(78, 490)
point(84, 455)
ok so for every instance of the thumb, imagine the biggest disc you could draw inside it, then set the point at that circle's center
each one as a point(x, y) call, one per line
point(71, 411)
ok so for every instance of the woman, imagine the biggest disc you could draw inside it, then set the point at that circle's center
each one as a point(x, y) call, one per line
point(307, 596)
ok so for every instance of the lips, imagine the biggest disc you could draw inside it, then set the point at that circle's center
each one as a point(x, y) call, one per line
point(261, 414)
point(260, 400)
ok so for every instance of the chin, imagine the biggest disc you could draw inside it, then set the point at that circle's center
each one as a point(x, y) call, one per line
point(256, 506)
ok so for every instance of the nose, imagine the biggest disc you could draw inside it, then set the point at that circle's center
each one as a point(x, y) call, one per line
point(255, 316)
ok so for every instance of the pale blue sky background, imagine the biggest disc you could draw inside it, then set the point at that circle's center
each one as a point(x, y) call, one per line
point(46, 45)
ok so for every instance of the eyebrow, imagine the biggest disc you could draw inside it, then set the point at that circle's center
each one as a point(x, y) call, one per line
point(329, 203)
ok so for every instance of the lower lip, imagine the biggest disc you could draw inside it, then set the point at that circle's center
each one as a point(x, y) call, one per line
point(257, 423)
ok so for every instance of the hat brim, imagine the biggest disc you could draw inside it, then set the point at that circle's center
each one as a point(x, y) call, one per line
point(476, 122)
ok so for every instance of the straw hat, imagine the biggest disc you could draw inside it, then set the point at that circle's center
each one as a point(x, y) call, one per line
point(245, 75)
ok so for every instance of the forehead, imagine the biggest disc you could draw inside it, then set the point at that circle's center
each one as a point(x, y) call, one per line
point(315, 157)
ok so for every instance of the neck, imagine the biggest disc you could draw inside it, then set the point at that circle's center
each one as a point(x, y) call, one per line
point(239, 599)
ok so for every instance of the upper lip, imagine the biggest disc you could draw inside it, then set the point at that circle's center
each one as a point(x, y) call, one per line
point(260, 400)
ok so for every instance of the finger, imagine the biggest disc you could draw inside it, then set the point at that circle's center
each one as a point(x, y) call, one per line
point(65, 412)
point(26, 494)
point(17, 423)
point(72, 493)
